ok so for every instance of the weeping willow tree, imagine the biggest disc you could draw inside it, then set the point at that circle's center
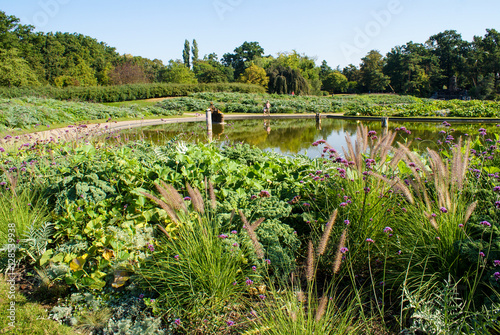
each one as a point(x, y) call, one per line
point(285, 80)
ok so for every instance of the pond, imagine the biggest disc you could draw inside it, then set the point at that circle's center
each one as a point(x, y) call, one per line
point(296, 136)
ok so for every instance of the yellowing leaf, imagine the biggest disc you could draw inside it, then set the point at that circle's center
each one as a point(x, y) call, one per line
point(121, 278)
point(77, 263)
point(108, 254)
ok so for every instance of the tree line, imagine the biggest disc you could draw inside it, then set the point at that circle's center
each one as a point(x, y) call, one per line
point(29, 58)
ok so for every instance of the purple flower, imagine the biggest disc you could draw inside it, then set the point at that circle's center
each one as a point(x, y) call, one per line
point(264, 194)
point(2, 149)
point(496, 189)
point(187, 198)
point(222, 236)
point(235, 283)
point(496, 275)
point(387, 229)
point(443, 210)
point(249, 282)
point(177, 322)
point(262, 297)
point(497, 203)
point(254, 268)
point(268, 261)
point(347, 222)
point(151, 247)
point(481, 254)
point(176, 256)
point(485, 223)
point(234, 232)
point(461, 225)
point(370, 240)
point(235, 244)
point(344, 250)
point(343, 204)
point(496, 262)
point(229, 323)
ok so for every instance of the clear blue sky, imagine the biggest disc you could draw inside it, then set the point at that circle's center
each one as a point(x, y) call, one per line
point(340, 32)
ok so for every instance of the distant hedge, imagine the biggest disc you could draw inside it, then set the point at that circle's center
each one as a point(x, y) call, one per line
point(126, 92)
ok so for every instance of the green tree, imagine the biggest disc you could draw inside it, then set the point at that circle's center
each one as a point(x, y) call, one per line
point(451, 51)
point(335, 82)
point(15, 71)
point(372, 77)
point(185, 54)
point(177, 72)
point(486, 60)
point(254, 75)
point(285, 80)
point(83, 74)
point(194, 51)
point(324, 70)
point(243, 54)
point(412, 69)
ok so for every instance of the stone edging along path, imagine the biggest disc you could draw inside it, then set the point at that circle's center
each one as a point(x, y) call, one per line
point(81, 130)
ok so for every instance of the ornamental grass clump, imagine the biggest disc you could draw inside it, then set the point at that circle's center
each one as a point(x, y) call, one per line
point(194, 273)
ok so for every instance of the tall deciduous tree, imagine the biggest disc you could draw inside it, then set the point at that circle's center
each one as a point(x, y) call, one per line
point(177, 72)
point(451, 50)
point(335, 82)
point(194, 51)
point(372, 77)
point(243, 54)
point(185, 54)
point(15, 71)
point(254, 75)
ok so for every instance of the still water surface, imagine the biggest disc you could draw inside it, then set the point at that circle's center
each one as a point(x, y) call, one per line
point(295, 136)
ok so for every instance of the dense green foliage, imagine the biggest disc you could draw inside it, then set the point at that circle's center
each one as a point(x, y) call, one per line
point(415, 232)
point(445, 64)
point(126, 92)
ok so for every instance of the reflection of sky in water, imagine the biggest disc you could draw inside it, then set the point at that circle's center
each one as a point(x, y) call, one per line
point(294, 136)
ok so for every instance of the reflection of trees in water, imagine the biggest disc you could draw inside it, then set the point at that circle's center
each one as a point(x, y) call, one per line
point(294, 135)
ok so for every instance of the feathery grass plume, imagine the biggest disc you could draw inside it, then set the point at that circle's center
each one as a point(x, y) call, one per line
point(213, 199)
point(460, 163)
point(171, 196)
point(163, 205)
point(321, 308)
point(432, 220)
point(257, 223)
point(469, 211)
point(160, 227)
point(383, 146)
point(12, 180)
point(301, 297)
point(441, 178)
point(338, 255)
point(398, 155)
point(250, 228)
point(397, 184)
point(326, 234)
point(196, 199)
point(400, 186)
point(310, 262)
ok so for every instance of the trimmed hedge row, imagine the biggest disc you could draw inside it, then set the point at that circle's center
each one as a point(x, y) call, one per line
point(126, 92)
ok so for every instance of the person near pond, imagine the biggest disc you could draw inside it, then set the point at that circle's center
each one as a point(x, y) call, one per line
point(267, 108)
